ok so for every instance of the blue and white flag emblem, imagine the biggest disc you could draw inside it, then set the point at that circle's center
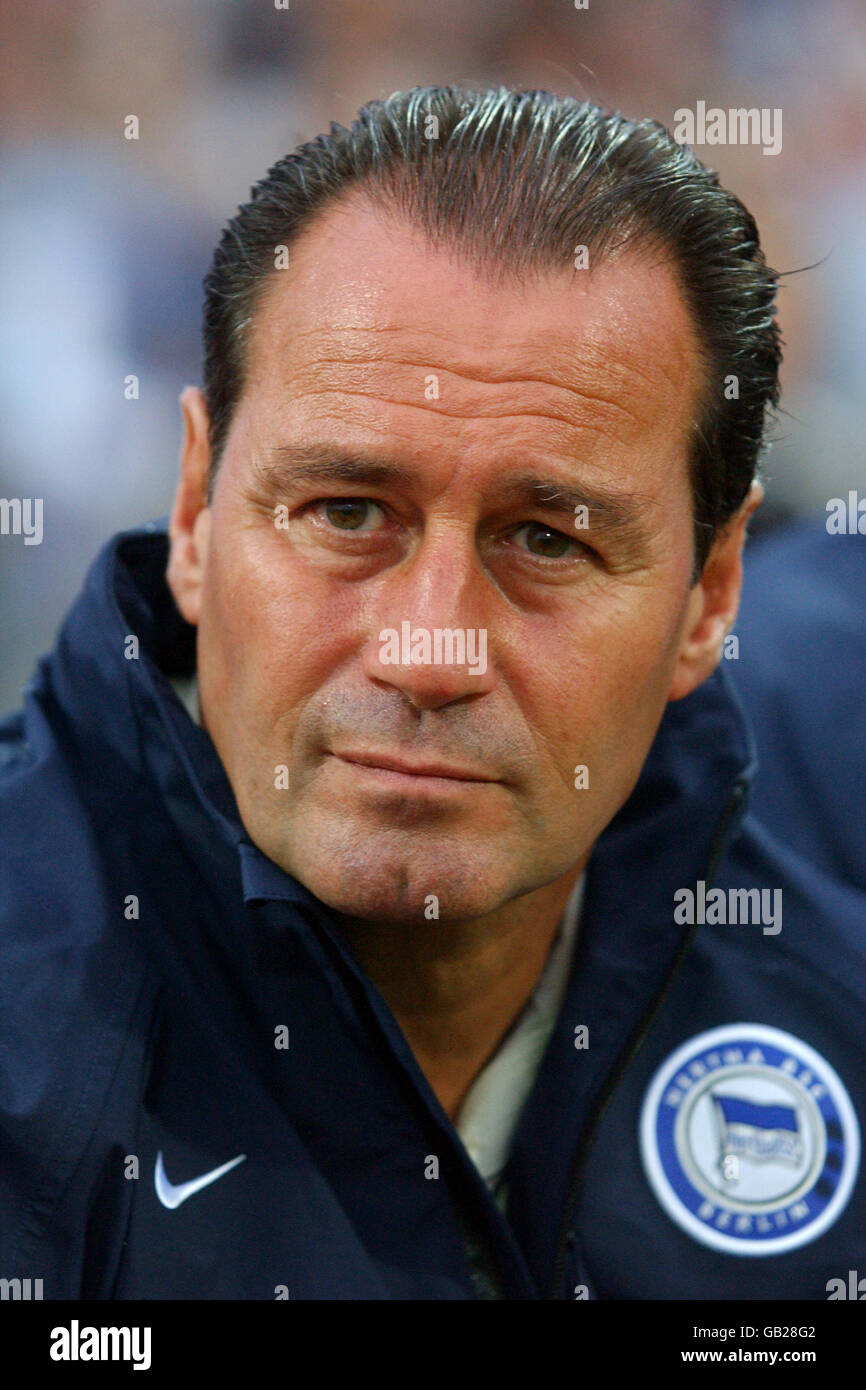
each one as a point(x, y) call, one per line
point(758, 1133)
point(749, 1140)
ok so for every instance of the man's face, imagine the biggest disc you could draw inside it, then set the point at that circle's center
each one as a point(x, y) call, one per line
point(405, 420)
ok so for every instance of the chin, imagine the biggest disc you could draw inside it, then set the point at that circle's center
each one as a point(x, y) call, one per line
point(429, 886)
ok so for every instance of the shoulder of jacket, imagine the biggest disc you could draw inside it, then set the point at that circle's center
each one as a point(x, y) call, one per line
point(820, 918)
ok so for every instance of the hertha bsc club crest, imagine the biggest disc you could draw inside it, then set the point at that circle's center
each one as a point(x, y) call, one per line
point(749, 1140)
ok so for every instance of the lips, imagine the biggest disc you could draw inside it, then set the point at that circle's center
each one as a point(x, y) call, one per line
point(386, 762)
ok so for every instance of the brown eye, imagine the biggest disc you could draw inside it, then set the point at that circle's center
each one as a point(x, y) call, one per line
point(547, 543)
point(348, 513)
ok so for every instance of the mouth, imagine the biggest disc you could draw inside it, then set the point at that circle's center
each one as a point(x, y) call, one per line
point(401, 770)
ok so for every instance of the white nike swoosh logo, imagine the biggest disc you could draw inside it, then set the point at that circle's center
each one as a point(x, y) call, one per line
point(172, 1195)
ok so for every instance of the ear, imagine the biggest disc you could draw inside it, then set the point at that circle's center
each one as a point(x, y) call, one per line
point(713, 602)
point(189, 524)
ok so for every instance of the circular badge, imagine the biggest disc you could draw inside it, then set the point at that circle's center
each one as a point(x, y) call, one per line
point(749, 1140)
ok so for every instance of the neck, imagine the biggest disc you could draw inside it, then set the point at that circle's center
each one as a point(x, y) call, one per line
point(455, 988)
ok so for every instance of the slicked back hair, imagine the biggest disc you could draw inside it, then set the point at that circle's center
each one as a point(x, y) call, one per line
point(516, 181)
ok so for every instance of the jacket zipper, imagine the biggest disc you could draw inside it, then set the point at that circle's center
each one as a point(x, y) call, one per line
point(567, 1237)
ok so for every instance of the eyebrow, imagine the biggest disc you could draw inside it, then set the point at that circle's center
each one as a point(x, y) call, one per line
point(619, 515)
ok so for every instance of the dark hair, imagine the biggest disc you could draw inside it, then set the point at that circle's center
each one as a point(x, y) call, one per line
point(516, 181)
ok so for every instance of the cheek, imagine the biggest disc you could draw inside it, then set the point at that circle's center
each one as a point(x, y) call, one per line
point(268, 637)
point(603, 687)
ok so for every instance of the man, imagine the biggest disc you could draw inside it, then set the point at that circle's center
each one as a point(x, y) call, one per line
point(380, 917)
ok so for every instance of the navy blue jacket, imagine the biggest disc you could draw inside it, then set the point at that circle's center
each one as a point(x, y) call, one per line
point(801, 672)
point(703, 1145)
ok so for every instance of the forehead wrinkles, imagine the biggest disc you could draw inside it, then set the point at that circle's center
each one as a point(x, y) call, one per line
point(601, 380)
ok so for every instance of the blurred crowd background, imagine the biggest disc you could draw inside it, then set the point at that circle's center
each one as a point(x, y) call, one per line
point(104, 241)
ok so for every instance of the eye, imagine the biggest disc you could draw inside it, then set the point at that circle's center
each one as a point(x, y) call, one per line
point(549, 544)
point(348, 513)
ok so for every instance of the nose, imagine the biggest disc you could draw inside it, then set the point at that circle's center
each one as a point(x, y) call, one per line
point(428, 634)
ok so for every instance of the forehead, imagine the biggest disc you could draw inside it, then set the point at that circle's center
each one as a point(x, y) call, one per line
point(369, 308)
